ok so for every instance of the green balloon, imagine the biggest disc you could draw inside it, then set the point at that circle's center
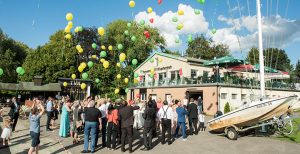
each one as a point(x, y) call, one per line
point(151, 60)
point(126, 32)
point(94, 45)
point(120, 46)
point(142, 22)
point(84, 75)
point(90, 64)
point(80, 28)
point(97, 80)
point(102, 54)
point(134, 61)
point(151, 75)
point(214, 30)
point(177, 40)
point(133, 38)
point(22, 72)
point(197, 11)
point(126, 90)
point(174, 19)
point(19, 69)
point(129, 24)
point(136, 75)
point(1, 71)
point(190, 38)
point(201, 1)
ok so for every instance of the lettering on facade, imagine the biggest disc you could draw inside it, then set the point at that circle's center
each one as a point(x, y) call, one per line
point(158, 69)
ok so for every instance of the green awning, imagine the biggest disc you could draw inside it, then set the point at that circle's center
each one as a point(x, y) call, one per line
point(224, 61)
point(267, 69)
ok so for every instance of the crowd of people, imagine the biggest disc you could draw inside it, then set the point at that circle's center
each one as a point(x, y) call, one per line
point(114, 120)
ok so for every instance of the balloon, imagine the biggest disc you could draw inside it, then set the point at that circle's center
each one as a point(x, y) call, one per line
point(90, 64)
point(83, 65)
point(214, 30)
point(80, 69)
point(129, 24)
point(80, 28)
point(136, 75)
point(117, 90)
point(105, 64)
point(22, 71)
point(67, 29)
point(110, 48)
point(152, 70)
point(94, 56)
point(151, 75)
point(151, 60)
point(126, 32)
point(102, 54)
point(179, 26)
point(83, 86)
point(102, 60)
point(94, 45)
point(19, 69)
point(78, 47)
point(159, 1)
point(131, 4)
point(65, 84)
point(76, 30)
point(126, 90)
point(174, 19)
point(68, 36)
point(134, 61)
point(177, 40)
point(73, 76)
point(180, 12)
point(149, 9)
point(1, 71)
point(135, 81)
point(133, 38)
point(151, 20)
point(119, 76)
point(97, 80)
point(70, 24)
point(190, 38)
point(197, 12)
point(122, 57)
point(103, 47)
point(80, 50)
point(69, 16)
point(120, 46)
point(101, 31)
point(147, 34)
point(126, 80)
point(84, 75)
point(118, 64)
point(142, 22)
point(160, 60)
point(201, 1)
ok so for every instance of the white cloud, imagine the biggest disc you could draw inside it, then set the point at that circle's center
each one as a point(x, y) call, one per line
point(192, 23)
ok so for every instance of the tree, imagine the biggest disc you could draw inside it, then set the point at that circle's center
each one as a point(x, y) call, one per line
point(204, 48)
point(226, 108)
point(274, 58)
point(297, 70)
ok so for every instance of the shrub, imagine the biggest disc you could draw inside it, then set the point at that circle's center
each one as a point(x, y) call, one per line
point(226, 108)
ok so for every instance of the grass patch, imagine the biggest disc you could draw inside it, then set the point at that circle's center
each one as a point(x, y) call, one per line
point(295, 136)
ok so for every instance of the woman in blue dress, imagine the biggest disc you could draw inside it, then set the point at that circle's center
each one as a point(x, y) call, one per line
point(64, 129)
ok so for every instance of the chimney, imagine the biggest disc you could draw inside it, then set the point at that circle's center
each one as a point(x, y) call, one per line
point(37, 80)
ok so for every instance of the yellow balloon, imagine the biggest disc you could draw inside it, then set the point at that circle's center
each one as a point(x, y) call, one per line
point(65, 84)
point(118, 65)
point(110, 48)
point(73, 76)
point(83, 86)
point(152, 71)
point(122, 57)
point(94, 56)
point(135, 81)
point(105, 64)
point(150, 9)
point(180, 26)
point(80, 69)
point(160, 60)
point(76, 30)
point(126, 80)
point(68, 36)
point(101, 31)
point(102, 60)
point(180, 12)
point(131, 4)
point(119, 76)
point(80, 50)
point(83, 65)
point(78, 47)
point(69, 16)
point(67, 29)
point(103, 47)
point(117, 90)
point(70, 24)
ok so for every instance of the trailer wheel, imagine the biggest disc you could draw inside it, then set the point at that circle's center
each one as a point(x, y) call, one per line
point(232, 134)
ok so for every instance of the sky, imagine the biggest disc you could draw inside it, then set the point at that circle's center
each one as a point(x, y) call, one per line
point(34, 21)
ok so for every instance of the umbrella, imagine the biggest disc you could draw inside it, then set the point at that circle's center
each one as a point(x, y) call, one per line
point(267, 69)
point(224, 61)
point(241, 68)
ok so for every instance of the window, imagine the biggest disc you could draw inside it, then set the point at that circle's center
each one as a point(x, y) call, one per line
point(162, 76)
point(233, 96)
point(193, 73)
point(143, 96)
point(175, 75)
point(223, 95)
point(153, 96)
point(244, 96)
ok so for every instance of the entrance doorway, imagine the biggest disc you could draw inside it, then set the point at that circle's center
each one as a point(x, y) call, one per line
point(195, 95)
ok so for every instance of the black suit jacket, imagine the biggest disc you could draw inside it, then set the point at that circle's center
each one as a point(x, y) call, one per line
point(149, 116)
point(13, 108)
point(126, 115)
point(192, 110)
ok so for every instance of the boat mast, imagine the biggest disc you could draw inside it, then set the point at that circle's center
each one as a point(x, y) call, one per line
point(261, 54)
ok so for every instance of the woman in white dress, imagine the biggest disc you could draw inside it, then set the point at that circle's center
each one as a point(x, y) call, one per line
point(6, 133)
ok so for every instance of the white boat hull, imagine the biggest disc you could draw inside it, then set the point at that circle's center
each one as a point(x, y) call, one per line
point(254, 113)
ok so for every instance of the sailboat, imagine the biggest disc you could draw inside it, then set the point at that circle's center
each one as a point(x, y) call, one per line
point(254, 112)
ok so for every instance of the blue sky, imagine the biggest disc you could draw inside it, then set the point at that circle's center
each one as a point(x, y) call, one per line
point(33, 21)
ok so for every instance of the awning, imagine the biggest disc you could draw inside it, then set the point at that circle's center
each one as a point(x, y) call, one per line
point(29, 86)
point(241, 68)
point(224, 61)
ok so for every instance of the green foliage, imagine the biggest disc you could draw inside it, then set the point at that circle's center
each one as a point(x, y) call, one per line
point(204, 48)
point(12, 55)
point(297, 69)
point(226, 108)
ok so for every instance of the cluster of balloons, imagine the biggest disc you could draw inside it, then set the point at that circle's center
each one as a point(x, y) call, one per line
point(79, 48)
point(69, 17)
point(20, 70)
point(1, 71)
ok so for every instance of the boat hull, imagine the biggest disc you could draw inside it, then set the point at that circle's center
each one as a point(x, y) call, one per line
point(251, 115)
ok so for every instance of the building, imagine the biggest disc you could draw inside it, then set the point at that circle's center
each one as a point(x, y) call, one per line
point(178, 77)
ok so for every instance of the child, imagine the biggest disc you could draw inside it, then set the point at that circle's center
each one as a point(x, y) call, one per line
point(55, 115)
point(6, 133)
point(201, 118)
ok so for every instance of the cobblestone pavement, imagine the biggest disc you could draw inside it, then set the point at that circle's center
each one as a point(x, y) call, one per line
point(204, 143)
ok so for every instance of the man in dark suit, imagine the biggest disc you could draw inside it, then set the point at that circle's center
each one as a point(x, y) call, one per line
point(149, 124)
point(126, 117)
point(193, 116)
point(14, 112)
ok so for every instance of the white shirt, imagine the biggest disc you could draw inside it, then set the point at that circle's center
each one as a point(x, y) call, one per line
point(201, 117)
point(165, 112)
point(103, 110)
